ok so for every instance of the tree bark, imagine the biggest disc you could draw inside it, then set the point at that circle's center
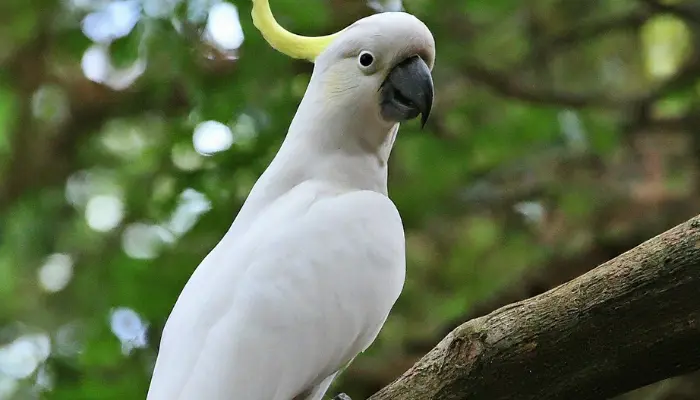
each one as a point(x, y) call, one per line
point(629, 322)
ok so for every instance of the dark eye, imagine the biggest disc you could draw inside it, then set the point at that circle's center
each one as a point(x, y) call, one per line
point(366, 59)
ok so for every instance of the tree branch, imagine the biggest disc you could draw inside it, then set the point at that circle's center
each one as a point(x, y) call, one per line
point(501, 83)
point(630, 322)
point(576, 35)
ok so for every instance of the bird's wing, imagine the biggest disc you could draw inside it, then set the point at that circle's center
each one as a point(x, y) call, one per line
point(314, 280)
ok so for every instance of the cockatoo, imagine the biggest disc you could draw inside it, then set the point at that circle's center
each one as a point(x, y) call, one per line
point(305, 277)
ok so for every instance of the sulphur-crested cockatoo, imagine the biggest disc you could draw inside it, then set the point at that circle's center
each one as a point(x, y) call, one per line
point(308, 272)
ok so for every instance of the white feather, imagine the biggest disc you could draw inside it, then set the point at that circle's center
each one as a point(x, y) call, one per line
point(308, 272)
point(305, 290)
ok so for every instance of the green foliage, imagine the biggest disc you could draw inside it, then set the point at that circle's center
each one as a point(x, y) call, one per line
point(531, 114)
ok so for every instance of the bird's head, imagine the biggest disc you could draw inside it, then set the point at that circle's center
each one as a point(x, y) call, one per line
point(378, 67)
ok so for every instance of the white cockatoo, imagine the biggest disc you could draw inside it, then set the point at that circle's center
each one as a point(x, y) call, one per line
point(308, 272)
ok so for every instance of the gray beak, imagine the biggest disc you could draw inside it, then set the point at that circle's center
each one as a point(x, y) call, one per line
point(407, 91)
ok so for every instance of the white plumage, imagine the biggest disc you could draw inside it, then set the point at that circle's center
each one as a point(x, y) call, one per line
point(309, 270)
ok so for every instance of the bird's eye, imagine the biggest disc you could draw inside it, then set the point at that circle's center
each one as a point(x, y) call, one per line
point(366, 59)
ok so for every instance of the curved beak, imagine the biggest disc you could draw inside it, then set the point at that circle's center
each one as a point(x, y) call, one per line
point(407, 91)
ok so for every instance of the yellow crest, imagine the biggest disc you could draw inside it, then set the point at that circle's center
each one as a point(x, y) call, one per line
point(295, 46)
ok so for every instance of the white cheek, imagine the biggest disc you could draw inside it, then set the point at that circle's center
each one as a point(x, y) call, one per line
point(345, 81)
point(345, 87)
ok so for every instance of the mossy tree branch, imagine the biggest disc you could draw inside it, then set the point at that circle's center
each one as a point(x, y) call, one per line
point(630, 322)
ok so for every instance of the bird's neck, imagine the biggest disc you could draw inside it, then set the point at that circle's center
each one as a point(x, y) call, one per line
point(338, 148)
point(334, 149)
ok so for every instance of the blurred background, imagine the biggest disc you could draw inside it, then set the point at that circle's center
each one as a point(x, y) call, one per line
point(564, 133)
